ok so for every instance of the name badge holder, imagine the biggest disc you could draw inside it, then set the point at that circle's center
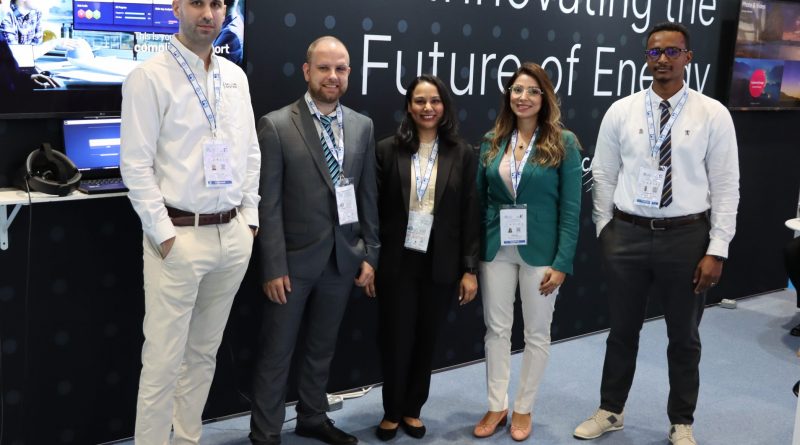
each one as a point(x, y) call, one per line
point(514, 218)
point(650, 184)
point(346, 201)
point(420, 224)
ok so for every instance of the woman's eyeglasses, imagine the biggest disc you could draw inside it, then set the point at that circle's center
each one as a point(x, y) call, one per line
point(517, 90)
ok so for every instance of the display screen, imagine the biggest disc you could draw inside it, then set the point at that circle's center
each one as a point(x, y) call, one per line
point(766, 68)
point(92, 143)
point(129, 16)
point(70, 57)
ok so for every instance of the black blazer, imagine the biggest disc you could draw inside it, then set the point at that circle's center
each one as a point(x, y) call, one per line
point(455, 240)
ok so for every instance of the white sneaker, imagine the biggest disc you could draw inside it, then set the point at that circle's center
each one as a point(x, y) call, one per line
point(601, 422)
point(681, 435)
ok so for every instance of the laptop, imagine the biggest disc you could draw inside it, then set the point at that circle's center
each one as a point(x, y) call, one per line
point(25, 58)
point(93, 145)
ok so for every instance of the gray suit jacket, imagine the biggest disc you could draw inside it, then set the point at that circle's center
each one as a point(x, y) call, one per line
point(299, 221)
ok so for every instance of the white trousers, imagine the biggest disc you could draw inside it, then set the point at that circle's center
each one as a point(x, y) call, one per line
point(188, 296)
point(499, 279)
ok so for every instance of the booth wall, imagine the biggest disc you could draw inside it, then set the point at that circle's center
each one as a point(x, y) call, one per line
point(71, 299)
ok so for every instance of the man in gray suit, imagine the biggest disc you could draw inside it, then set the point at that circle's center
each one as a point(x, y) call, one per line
point(320, 217)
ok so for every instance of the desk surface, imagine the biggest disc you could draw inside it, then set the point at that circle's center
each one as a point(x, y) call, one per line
point(11, 196)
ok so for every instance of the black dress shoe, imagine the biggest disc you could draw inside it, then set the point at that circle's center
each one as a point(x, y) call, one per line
point(385, 434)
point(417, 432)
point(326, 432)
point(796, 388)
point(795, 331)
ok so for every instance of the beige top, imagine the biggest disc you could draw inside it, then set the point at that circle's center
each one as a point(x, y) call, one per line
point(424, 153)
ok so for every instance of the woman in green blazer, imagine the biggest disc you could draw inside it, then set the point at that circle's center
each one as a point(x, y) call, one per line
point(529, 186)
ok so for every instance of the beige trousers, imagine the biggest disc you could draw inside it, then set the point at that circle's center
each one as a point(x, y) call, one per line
point(499, 279)
point(188, 296)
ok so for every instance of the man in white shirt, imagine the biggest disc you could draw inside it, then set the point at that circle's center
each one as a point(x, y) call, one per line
point(190, 157)
point(666, 190)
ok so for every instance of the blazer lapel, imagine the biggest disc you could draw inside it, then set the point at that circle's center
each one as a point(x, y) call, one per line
point(495, 171)
point(305, 125)
point(443, 173)
point(404, 172)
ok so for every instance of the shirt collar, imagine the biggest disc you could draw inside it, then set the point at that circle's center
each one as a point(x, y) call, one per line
point(18, 14)
point(197, 64)
point(655, 99)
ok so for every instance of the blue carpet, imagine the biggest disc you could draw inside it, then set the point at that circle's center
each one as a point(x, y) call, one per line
point(747, 371)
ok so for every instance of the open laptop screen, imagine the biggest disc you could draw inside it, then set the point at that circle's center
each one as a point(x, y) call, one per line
point(92, 144)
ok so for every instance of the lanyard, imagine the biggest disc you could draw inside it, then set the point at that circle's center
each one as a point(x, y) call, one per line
point(422, 182)
point(201, 96)
point(336, 149)
point(655, 144)
point(514, 167)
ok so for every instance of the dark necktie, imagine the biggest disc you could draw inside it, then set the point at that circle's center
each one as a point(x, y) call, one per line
point(666, 157)
point(330, 160)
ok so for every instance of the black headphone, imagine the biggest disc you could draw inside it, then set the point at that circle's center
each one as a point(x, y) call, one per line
point(48, 171)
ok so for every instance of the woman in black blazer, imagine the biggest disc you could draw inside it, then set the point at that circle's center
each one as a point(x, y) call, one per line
point(429, 231)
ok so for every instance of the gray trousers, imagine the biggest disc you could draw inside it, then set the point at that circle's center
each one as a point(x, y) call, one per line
point(320, 303)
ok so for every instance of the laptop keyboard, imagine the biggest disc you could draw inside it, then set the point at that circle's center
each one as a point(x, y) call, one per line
point(104, 181)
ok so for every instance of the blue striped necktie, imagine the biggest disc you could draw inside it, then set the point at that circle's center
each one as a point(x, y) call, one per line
point(665, 159)
point(330, 160)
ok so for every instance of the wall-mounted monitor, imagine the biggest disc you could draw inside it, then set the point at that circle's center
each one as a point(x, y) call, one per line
point(766, 67)
point(77, 63)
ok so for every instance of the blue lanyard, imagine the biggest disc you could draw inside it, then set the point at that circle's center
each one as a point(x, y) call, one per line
point(655, 144)
point(422, 183)
point(201, 96)
point(336, 149)
point(516, 168)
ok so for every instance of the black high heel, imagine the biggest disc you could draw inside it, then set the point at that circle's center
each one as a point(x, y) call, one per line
point(384, 434)
point(417, 432)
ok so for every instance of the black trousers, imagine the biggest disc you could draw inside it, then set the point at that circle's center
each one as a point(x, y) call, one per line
point(411, 309)
point(320, 303)
point(638, 262)
point(791, 259)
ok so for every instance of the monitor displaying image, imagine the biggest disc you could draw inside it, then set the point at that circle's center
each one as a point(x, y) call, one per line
point(767, 56)
point(70, 57)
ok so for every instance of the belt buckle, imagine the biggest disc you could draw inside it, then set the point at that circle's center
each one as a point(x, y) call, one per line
point(220, 217)
point(654, 228)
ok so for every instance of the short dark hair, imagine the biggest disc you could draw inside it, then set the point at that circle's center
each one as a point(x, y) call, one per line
point(671, 26)
point(407, 136)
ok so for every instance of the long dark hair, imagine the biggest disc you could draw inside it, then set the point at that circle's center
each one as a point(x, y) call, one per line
point(407, 136)
point(549, 147)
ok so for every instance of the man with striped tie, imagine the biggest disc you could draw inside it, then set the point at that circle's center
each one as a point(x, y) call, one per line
point(666, 191)
point(321, 237)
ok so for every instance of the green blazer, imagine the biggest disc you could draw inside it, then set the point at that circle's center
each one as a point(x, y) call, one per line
point(553, 197)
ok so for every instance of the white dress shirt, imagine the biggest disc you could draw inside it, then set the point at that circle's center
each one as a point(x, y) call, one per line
point(705, 163)
point(162, 135)
point(337, 132)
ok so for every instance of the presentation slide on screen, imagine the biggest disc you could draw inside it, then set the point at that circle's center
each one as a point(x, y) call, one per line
point(765, 71)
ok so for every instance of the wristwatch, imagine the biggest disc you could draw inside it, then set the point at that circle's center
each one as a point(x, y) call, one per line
point(721, 259)
point(472, 270)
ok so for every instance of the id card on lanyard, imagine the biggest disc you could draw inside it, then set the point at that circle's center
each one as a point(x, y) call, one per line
point(650, 183)
point(514, 218)
point(346, 205)
point(420, 224)
point(216, 152)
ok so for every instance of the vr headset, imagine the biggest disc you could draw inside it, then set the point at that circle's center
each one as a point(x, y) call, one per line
point(48, 171)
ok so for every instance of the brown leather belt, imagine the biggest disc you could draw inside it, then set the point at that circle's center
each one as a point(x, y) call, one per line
point(659, 223)
point(182, 218)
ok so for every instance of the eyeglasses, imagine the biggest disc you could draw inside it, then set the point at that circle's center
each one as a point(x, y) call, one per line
point(671, 52)
point(517, 90)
